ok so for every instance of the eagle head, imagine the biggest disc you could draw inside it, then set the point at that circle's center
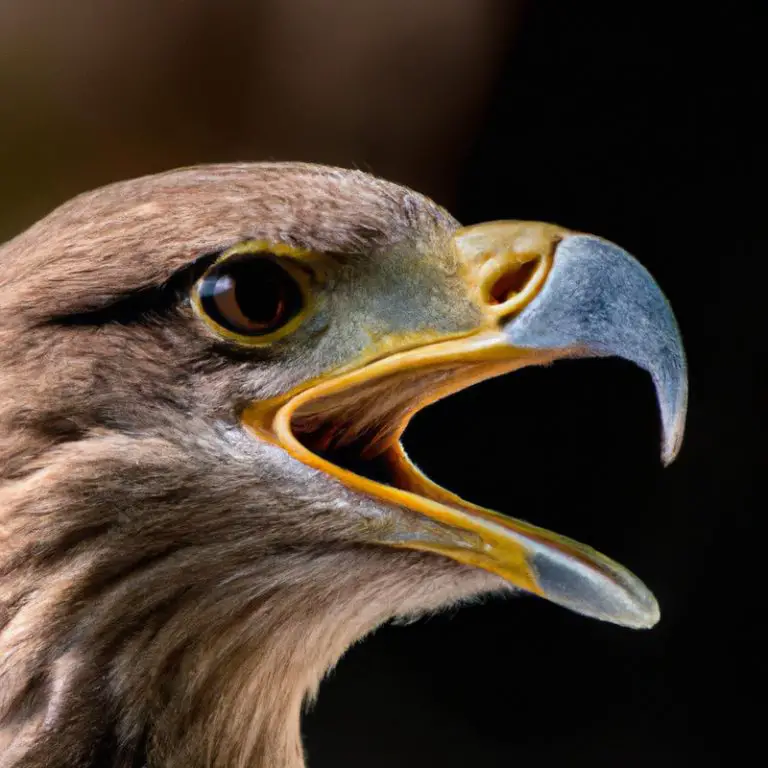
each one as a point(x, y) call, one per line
point(204, 377)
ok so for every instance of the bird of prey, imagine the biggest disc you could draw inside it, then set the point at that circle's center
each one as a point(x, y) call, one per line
point(204, 500)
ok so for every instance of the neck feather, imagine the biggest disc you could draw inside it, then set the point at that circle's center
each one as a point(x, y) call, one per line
point(185, 676)
point(144, 621)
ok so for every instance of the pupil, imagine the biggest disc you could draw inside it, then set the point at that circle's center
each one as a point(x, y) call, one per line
point(250, 295)
point(259, 292)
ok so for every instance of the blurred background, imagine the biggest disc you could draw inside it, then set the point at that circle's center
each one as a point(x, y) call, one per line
point(635, 121)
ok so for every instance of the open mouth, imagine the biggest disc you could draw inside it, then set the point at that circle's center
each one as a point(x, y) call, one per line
point(349, 427)
point(546, 294)
point(355, 432)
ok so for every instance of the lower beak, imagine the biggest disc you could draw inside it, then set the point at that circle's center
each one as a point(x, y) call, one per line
point(587, 297)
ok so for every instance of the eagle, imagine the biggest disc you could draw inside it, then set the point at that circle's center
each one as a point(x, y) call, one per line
point(204, 498)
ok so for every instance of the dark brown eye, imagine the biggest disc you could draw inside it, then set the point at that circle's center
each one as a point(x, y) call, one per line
point(250, 295)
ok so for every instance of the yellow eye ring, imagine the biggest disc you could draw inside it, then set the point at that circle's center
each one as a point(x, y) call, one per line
point(254, 294)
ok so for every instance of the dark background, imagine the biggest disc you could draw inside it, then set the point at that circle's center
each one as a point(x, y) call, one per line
point(638, 122)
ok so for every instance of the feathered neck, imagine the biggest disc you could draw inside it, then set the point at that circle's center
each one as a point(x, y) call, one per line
point(139, 623)
point(114, 660)
point(189, 680)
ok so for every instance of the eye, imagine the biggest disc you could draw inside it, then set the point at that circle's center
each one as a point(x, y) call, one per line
point(252, 297)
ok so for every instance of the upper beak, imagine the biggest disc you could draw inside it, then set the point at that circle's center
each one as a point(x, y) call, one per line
point(598, 300)
point(548, 293)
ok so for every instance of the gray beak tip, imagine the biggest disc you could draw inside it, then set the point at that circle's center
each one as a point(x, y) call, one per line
point(673, 433)
point(601, 301)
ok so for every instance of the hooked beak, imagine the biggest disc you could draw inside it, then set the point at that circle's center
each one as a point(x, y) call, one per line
point(548, 294)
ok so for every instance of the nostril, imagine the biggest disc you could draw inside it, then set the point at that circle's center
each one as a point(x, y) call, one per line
point(507, 262)
point(512, 281)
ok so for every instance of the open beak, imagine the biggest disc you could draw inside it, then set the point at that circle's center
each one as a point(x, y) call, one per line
point(547, 293)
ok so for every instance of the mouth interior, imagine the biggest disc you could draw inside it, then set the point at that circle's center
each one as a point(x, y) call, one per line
point(357, 429)
point(351, 457)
